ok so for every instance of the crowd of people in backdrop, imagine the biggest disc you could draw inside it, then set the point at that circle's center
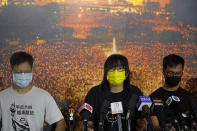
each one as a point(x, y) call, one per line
point(113, 105)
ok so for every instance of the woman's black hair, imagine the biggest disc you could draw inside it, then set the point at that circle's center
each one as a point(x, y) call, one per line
point(115, 60)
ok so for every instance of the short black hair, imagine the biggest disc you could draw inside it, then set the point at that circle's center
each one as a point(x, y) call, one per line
point(172, 60)
point(21, 57)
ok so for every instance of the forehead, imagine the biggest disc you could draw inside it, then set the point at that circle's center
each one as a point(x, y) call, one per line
point(25, 66)
point(177, 68)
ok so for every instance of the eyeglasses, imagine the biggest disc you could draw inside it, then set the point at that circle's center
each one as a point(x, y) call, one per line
point(117, 68)
point(171, 73)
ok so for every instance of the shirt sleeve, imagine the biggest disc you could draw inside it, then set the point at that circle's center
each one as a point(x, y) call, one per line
point(91, 99)
point(52, 112)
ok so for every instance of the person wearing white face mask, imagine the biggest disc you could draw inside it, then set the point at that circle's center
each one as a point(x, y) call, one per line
point(24, 106)
point(22, 80)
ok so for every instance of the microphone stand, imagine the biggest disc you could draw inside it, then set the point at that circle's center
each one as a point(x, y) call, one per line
point(85, 125)
point(128, 118)
point(119, 122)
point(101, 128)
point(150, 124)
point(129, 124)
point(71, 122)
point(71, 127)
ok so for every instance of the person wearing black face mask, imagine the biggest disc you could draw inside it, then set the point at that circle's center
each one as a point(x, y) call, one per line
point(172, 80)
point(173, 66)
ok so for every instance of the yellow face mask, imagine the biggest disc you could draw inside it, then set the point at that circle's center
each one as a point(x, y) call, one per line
point(116, 77)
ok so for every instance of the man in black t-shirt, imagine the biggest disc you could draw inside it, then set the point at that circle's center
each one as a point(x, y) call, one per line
point(117, 91)
point(177, 99)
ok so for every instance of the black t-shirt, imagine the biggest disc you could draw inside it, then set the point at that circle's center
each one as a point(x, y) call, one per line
point(174, 109)
point(96, 97)
point(164, 94)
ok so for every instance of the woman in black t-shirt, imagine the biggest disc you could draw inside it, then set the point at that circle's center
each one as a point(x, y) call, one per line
point(110, 99)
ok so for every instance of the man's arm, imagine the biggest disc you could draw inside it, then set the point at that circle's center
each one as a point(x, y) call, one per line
point(60, 125)
point(142, 124)
point(155, 122)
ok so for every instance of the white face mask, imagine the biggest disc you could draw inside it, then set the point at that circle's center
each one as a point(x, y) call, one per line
point(22, 79)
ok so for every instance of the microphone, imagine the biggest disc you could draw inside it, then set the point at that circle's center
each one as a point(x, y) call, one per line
point(116, 108)
point(161, 111)
point(172, 118)
point(85, 112)
point(189, 118)
point(172, 101)
point(119, 122)
point(146, 111)
point(193, 104)
point(179, 107)
point(131, 110)
point(144, 100)
point(103, 111)
point(158, 108)
point(144, 105)
point(71, 117)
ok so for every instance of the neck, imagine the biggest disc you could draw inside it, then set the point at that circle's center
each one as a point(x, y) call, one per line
point(22, 90)
point(116, 89)
point(168, 88)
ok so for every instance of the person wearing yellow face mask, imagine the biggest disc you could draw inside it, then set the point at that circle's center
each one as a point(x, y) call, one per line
point(110, 99)
point(116, 76)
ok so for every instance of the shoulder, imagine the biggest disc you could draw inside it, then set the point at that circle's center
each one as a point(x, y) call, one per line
point(94, 93)
point(5, 91)
point(41, 92)
point(44, 96)
point(95, 89)
point(156, 92)
point(134, 89)
point(184, 91)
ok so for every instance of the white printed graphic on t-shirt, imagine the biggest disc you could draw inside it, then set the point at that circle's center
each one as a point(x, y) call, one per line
point(19, 122)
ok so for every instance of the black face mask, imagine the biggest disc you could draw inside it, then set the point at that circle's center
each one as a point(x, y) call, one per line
point(172, 80)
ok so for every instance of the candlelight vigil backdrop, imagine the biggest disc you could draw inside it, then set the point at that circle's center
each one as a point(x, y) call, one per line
point(71, 39)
